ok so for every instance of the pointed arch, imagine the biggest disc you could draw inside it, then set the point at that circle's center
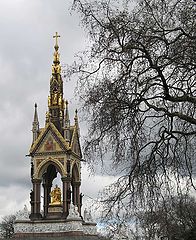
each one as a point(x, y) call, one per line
point(44, 165)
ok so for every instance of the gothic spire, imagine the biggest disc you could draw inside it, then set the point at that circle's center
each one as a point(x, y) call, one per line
point(76, 122)
point(76, 117)
point(55, 99)
point(35, 128)
point(67, 120)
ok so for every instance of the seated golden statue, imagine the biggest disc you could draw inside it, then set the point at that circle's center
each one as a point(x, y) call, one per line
point(55, 196)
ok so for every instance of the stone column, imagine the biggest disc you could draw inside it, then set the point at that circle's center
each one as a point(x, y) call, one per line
point(36, 191)
point(76, 195)
point(47, 189)
point(66, 200)
point(45, 198)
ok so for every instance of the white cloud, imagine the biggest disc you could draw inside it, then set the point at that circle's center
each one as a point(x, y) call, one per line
point(93, 184)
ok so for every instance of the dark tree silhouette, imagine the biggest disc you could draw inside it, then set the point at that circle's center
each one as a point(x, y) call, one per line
point(7, 226)
point(137, 83)
point(174, 219)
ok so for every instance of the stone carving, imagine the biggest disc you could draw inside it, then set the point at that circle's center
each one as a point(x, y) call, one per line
point(73, 212)
point(22, 214)
point(81, 197)
point(32, 196)
point(67, 226)
point(87, 216)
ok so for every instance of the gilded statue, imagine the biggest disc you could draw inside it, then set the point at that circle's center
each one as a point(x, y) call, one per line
point(60, 100)
point(55, 100)
point(55, 196)
point(49, 101)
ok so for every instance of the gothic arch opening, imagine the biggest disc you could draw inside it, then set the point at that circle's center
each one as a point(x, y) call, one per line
point(48, 197)
point(42, 168)
point(51, 175)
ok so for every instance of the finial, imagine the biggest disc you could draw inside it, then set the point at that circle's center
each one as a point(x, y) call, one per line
point(35, 124)
point(56, 47)
point(76, 122)
point(67, 121)
point(35, 114)
point(66, 107)
point(56, 68)
point(76, 116)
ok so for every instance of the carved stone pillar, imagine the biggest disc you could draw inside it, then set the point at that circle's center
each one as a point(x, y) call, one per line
point(76, 195)
point(47, 189)
point(35, 214)
point(66, 195)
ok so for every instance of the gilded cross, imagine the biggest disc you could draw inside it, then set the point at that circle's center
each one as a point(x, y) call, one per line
point(56, 36)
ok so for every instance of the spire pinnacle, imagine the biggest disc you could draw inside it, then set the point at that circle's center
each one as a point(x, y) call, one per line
point(56, 47)
point(76, 117)
point(56, 68)
point(35, 124)
point(76, 122)
point(67, 121)
point(35, 114)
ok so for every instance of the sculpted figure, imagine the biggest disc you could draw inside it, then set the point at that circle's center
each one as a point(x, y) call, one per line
point(55, 196)
point(49, 101)
point(55, 100)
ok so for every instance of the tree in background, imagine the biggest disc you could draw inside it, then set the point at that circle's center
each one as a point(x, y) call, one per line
point(137, 83)
point(7, 226)
point(173, 219)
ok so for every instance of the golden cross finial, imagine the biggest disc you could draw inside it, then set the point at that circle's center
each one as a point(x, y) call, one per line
point(56, 36)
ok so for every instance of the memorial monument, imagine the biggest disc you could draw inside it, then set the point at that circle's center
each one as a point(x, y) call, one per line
point(55, 149)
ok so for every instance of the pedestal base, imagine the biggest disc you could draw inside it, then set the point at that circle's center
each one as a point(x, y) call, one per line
point(53, 228)
point(54, 211)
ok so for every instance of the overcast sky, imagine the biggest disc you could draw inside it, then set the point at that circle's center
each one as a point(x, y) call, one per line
point(26, 51)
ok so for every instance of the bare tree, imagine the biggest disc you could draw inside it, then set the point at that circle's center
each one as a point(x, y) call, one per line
point(137, 83)
point(7, 226)
point(173, 219)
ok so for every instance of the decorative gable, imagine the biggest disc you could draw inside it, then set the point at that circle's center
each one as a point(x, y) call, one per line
point(49, 140)
point(49, 144)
